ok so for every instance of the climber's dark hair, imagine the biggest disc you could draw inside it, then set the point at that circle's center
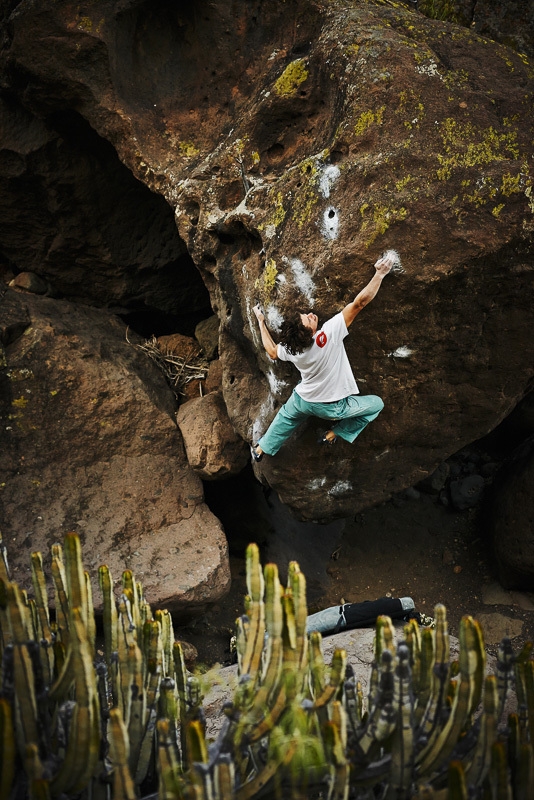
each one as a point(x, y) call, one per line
point(294, 336)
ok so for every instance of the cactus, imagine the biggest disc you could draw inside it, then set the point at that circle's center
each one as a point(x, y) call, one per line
point(296, 725)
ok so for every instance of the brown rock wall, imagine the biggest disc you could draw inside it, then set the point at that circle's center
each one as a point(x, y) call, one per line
point(89, 444)
point(295, 143)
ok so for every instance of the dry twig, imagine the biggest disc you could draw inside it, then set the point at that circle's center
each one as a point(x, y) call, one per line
point(178, 371)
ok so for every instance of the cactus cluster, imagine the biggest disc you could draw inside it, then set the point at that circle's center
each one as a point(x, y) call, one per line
point(126, 721)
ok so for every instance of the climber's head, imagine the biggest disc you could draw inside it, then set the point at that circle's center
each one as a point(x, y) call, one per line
point(297, 332)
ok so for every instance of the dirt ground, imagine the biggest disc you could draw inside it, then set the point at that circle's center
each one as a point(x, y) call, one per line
point(412, 545)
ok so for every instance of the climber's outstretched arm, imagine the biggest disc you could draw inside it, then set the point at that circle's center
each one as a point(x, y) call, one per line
point(266, 338)
point(382, 267)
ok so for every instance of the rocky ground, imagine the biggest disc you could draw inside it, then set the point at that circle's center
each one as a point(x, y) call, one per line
point(412, 545)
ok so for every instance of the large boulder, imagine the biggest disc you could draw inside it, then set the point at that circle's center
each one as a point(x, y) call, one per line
point(295, 142)
point(89, 444)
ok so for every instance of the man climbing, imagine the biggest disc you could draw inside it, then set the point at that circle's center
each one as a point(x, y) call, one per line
point(327, 388)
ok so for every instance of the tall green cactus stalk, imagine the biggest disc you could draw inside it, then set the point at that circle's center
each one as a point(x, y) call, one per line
point(62, 601)
point(81, 756)
point(467, 696)
point(109, 615)
point(7, 748)
point(256, 613)
point(479, 765)
point(76, 583)
point(123, 785)
point(44, 632)
point(296, 728)
point(402, 742)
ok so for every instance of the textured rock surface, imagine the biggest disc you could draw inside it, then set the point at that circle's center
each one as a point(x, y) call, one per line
point(184, 347)
point(296, 142)
point(213, 448)
point(511, 519)
point(89, 444)
point(510, 22)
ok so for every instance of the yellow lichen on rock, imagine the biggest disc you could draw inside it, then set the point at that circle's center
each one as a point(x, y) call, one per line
point(188, 149)
point(266, 283)
point(368, 118)
point(85, 24)
point(379, 219)
point(307, 194)
point(510, 184)
point(402, 183)
point(468, 146)
point(277, 215)
point(20, 402)
point(291, 78)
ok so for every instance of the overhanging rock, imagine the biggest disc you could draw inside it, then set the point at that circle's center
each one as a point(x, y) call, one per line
point(296, 142)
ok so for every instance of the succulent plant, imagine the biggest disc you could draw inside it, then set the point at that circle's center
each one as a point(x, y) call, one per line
point(127, 721)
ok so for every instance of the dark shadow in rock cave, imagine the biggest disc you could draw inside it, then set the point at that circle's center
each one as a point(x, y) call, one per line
point(80, 220)
point(251, 512)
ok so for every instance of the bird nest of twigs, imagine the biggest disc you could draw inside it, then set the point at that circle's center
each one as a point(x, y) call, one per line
point(178, 370)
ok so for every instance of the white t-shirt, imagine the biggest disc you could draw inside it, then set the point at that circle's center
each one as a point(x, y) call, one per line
point(324, 367)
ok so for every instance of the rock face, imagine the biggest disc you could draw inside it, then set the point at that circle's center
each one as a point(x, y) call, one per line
point(89, 444)
point(213, 448)
point(511, 520)
point(295, 142)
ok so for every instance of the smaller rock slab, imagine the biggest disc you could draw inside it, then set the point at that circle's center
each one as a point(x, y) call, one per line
point(214, 450)
point(496, 627)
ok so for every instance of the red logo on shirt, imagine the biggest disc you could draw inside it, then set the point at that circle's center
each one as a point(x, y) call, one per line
point(321, 339)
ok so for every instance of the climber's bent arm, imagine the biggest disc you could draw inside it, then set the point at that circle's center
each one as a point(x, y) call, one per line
point(266, 338)
point(368, 293)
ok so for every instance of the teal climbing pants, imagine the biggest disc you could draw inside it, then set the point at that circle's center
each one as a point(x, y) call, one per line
point(347, 417)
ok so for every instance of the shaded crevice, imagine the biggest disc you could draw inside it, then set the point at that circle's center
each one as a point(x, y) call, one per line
point(148, 321)
point(79, 219)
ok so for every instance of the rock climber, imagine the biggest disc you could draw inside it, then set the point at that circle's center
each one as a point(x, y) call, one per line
point(327, 388)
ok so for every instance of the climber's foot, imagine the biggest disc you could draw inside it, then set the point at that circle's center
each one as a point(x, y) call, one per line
point(327, 437)
point(256, 452)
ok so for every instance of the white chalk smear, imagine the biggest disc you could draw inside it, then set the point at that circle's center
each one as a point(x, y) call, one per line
point(275, 384)
point(260, 424)
point(401, 352)
point(265, 415)
point(303, 279)
point(329, 176)
point(392, 255)
point(339, 488)
point(274, 317)
point(330, 223)
point(316, 483)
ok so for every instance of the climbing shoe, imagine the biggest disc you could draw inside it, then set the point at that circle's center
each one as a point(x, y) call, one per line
point(255, 455)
